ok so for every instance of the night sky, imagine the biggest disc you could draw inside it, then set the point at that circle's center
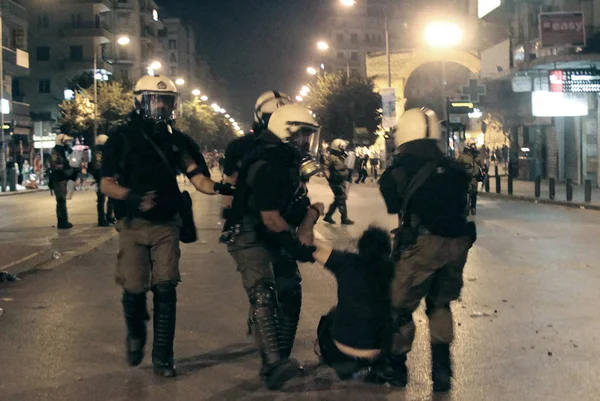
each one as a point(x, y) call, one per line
point(254, 45)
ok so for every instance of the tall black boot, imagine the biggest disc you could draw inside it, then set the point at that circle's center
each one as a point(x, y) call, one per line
point(136, 316)
point(165, 302)
point(276, 369)
point(329, 215)
point(62, 215)
point(441, 367)
point(110, 213)
point(390, 369)
point(344, 213)
point(474, 203)
point(290, 304)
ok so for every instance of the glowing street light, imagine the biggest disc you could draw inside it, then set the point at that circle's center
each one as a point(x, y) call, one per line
point(443, 34)
point(311, 70)
point(232, 120)
point(348, 3)
point(222, 111)
point(227, 116)
point(322, 45)
point(204, 98)
point(299, 98)
point(196, 92)
point(180, 81)
point(305, 89)
point(155, 65)
point(123, 40)
point(215, 107)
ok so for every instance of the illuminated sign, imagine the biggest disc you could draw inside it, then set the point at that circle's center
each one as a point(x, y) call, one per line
point(460, 107)
point(557, 104)
point(585, 80)
point(484, 7)
point(562, 29)
point(155, 15)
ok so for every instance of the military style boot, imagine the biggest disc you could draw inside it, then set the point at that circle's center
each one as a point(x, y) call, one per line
point(165, 302)
point(329, 215)
point(441, 367)
point(344, 212)
point(136, 316)
point(392, 369)
point(62, 216)
point(276, 369)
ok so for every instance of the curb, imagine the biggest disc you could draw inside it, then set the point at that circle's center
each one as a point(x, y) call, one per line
point(28, 263)
point(572, 205)
point(25, 192)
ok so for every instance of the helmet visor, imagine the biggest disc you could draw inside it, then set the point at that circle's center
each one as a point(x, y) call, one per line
point(159, 106)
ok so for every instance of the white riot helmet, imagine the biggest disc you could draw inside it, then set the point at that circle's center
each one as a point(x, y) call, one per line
point(101, 139)
point(417, 124)
point(267, 103)
point(293, 123)
point(156, 98)
point(338, 145)
point(63, 140)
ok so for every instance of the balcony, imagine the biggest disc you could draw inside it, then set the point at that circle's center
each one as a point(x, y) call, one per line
point(85, 65)
point(128, 5)
point(89, 29)
point(22, 118)
point(14, 12)
point(16, 62)
point(102, 6)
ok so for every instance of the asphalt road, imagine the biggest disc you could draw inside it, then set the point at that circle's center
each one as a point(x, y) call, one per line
point(526, 325)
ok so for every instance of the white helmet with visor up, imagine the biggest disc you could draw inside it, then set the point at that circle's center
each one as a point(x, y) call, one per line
point(156, 98)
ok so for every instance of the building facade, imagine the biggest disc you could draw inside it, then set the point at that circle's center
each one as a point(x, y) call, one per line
point(15, 65)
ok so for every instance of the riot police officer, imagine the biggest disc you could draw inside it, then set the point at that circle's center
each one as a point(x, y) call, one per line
point(104, 206)
point(271, 208)
point(140, 161)
point(237, 151)
point(471, 160)
point(428, 191)
point(62, 172)
point(337, 175)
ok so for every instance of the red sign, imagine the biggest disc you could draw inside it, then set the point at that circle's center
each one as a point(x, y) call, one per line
point(556, 81)
point(562, 29)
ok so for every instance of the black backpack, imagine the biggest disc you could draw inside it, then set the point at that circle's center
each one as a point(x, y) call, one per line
point(437, 194)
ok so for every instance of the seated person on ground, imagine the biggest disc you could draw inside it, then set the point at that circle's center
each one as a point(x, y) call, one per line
point(351, 335)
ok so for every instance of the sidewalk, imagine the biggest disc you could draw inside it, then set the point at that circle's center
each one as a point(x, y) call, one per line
point(525, 190)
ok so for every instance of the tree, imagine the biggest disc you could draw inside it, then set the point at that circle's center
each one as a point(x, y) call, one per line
point(114, 103)
point(210, 129)
point(343, 104)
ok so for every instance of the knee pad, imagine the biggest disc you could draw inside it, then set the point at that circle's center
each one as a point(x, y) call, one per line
point(263, 294)
point(165, 292)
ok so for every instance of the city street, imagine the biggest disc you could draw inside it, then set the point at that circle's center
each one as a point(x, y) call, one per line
point(526, 325)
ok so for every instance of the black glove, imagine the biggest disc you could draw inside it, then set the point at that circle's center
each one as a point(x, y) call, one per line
point(224, 188)
point(134, 199)
point(298, 251)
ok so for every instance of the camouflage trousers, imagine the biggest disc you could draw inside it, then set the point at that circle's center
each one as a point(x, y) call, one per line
point(432, 268)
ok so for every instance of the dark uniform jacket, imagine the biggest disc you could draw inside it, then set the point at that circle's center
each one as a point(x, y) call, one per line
point(59, 165)
point(336, 171)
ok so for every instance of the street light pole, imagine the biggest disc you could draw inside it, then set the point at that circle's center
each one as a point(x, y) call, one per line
point(95, 92)
point(2, 139)
point(387, 48)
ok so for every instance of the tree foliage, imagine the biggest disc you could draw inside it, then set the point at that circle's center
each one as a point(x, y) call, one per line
point(114, 104)
point(343, 104)
point(210, 129)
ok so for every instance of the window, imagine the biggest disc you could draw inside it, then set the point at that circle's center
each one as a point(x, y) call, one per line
point(76, 20)
point(172, 44)
point(76, 52)
point(123, 52)
point(123, 21)
point(339, 37)
point(354, 38)
point(367, 38)
point(123, 1)
point(42, 53)
point(354, 56)
point(125, 75)
point(16, 88)
point(97, 21)
point(340, 54)
point(44, 86)
point(354, 72)
point(379, 38)
point(42, 21)
point(173, 58)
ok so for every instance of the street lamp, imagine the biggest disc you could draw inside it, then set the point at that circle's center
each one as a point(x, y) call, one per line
point(180, 81)
point(204, 98)
point(196, 92)
point(443, 34)
point(299, 98)
point(348, 3)
point(311, 70)
point(322, 45)
point(123, 41)
point(305, 89)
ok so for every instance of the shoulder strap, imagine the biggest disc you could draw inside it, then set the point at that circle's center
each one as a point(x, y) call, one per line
point(161, 154)
point(253, 170)
point(419, 179)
